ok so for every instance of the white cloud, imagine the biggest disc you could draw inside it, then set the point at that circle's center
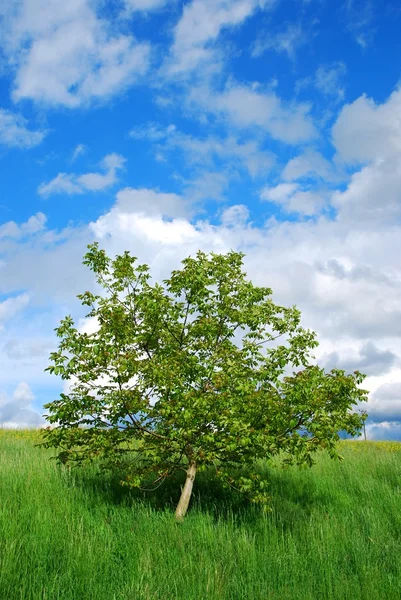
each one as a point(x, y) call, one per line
point(15, 133)
point(360, 15)
point(366, 131)
point(148, 229)
point(17, 349)
point(88, 325)
point(328, 80)
point(61, 184)
point(287, 41)
point(373, 195)
point(64, 54)
point(385, 431)
point(234, 216)
point(361, 303)
point(151, 132)
point(71, 184)
point(310, 164)
point(208, 185)
point(48, 266)
point(306, 202)
point(369, 134)
point(280, 193)
point(245, 154)
point(292, 270)
point(34, 224)
point(12, 306)
point(79, 150)
point(10, 230)
point(145, 5)
point(18, 412)
point(385, 401)
point(248, 107)
point(368, 359)
point(150, 202)
point(294, 199)
point(200, 25)
point(23, 395)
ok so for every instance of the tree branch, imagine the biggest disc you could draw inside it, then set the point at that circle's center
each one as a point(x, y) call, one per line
point(185, 322)
point(301, 421)
point(269, 340)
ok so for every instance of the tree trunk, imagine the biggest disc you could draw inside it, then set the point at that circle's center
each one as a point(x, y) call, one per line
point(182, 505)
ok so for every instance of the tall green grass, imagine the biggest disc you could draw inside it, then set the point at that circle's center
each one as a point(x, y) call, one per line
point(334, 533)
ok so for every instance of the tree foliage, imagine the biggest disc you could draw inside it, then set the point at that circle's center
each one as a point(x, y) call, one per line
point(181, 376)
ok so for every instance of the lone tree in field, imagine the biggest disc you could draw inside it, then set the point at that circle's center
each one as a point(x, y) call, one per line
point(163, 382)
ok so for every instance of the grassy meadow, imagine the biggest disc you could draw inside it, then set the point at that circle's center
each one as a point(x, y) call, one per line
point(334, 533)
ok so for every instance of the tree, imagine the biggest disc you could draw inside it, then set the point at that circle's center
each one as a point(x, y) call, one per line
point(163, 381)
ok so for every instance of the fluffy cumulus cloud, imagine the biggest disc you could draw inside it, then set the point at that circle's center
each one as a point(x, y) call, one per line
point(373, 195)
point(70, 183)
point(34, 224)
point(369, 135)
point(366, 131)
point(64, 53)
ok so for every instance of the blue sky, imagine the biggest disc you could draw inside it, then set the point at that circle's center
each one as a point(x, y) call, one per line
point(163, 127)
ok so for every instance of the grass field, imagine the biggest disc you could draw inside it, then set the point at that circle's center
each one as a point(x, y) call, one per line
point(334, 533)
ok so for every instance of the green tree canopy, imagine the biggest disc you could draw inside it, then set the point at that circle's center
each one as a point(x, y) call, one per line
point(163, 379)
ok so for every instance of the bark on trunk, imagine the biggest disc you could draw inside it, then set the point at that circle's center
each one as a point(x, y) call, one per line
point(183, 503)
